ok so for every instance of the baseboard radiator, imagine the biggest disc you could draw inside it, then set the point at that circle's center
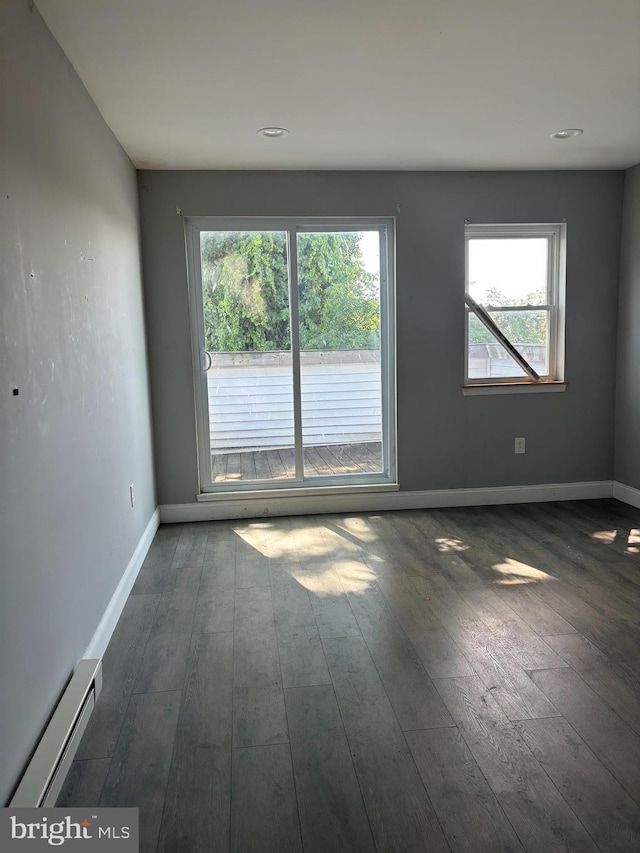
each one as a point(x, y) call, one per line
point(46, 772)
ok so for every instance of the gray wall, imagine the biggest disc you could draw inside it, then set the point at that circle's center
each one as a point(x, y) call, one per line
point(627, 460)
point(72, 341)
point(445, 440)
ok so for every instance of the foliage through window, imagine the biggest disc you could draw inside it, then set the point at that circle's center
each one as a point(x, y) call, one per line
point(246, 292)
point(514, 303)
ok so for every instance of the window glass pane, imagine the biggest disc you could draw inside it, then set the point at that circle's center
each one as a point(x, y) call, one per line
point(245, 295)
point(339, 307)
point(508, 271)
point(526, 330)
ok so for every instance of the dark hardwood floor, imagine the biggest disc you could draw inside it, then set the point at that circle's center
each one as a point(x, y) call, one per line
point(439, 680)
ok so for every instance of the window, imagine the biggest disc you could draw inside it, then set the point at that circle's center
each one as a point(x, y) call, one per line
point(292, 329)
point(514, 304)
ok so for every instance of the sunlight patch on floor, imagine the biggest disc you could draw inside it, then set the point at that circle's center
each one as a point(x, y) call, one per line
point(515, 572)
point(608, 537)
point(451, 545)
point(339, 577)
point(359, 528)
point(254, 536)
point(605, 536)
point(276, 543)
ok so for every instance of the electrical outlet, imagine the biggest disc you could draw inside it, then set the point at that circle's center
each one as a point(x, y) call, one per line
point(519, 445)
point(132, 494)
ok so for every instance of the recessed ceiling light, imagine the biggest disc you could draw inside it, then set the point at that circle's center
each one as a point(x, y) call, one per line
point(272, 132)
point(568, 133)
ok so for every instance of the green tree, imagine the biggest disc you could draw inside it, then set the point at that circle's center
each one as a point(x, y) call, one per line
point(338, 297)
point(244, 278)
point(520, 327)
point(245, 291)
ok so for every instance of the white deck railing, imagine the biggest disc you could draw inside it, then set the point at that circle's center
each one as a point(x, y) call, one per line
point(251, 399)
point(492, 360)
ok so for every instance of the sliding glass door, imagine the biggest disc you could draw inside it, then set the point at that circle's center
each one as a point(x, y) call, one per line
point(340, 366)
point(245, 366)
point(293, 352)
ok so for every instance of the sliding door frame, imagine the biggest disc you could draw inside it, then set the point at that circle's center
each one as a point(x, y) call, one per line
point(292, 226)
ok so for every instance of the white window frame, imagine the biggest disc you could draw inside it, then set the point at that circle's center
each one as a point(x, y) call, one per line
point(555, 234)
point(292, 226)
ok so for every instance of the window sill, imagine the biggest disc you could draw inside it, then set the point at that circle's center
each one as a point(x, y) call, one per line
point(513, 388)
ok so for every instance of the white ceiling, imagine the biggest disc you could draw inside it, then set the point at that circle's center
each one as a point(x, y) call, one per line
point(361, 84)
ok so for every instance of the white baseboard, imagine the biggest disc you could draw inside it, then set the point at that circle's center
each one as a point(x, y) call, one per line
point(100, 640)
point(305, 504)
point(626, 494)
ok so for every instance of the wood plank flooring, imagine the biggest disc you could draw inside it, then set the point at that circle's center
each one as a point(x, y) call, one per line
point(461, 680)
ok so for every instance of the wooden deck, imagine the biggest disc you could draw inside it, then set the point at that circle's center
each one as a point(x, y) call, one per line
point(320, 461)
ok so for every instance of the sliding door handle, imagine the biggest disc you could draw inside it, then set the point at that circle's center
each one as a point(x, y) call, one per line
point(205, 356)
